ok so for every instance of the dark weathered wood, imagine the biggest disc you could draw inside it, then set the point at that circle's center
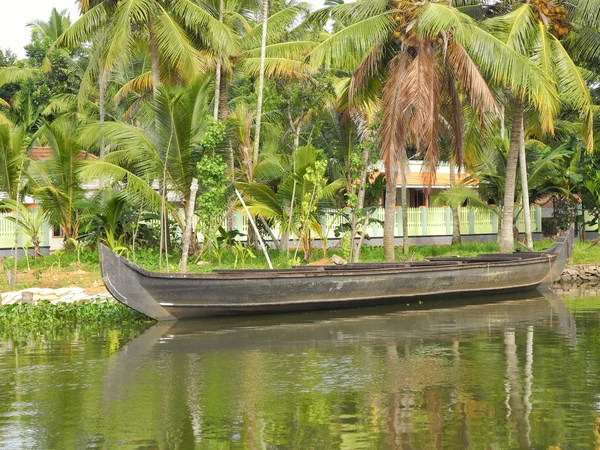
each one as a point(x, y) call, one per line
point(174, 296)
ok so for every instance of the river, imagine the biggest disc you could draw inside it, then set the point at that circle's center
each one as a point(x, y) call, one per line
point(480, 373)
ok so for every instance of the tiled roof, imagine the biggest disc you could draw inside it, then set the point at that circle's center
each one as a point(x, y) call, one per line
point(40, 153)
point(44, 153)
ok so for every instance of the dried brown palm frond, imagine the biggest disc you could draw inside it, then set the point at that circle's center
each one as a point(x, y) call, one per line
point(470, 80)
point(363, 74)
point(421, 92)
point(393, 129)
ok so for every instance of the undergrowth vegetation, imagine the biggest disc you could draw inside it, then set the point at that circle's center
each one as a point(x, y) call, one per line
point(21, 321)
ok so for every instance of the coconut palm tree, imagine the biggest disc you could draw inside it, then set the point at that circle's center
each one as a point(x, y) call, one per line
point(404, 48)
point(534, 30)
point(147, 161)
point(55, 181)
point(29, 222)
point(12, 158)
point(50, 30)
point(182, 36)
point(277, 205)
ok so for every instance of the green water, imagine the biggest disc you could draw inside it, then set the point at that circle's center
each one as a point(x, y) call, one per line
point(505, 374)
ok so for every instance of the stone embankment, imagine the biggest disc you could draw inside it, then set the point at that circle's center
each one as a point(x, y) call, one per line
point(577, 277)
point(62, 295)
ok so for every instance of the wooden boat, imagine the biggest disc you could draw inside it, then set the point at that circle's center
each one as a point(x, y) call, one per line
point(163, 296)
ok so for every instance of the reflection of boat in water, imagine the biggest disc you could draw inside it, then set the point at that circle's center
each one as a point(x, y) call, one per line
point(264, 372)
point(230, 292)
point(367, 325)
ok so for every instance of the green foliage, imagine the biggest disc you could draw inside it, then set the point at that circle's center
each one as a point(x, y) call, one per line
point(212, 198)
point(25, 318)
point(29, 222)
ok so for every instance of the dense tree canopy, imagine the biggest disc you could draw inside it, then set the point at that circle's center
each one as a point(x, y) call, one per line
point(155, 87)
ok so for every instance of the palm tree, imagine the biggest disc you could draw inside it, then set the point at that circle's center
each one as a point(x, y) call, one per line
point(12, 158)
point(55, 181)
point(50, 30)
point(147, 159)
point(535, 31)
point(182, 37)
point(30, 222)
point(294, 188)
point(261, 77)
point(404, 49)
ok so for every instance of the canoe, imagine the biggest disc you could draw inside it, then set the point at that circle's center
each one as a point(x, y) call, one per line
point(169, 296)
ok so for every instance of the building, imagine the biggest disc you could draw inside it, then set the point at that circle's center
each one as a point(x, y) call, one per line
point(419, 193)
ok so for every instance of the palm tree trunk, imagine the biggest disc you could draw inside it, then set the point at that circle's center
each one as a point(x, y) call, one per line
point(506, 236)
point(261, 80)
point(389, 221)
point(155, 61)
point(525, 190)
point(218, 74)
point(102, 82)
point(217, 91)
point(456, 238)
point(404, 204)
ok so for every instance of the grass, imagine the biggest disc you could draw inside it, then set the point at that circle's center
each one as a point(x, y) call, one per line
point(583, 253)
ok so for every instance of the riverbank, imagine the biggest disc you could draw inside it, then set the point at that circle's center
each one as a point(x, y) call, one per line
point(579, 277)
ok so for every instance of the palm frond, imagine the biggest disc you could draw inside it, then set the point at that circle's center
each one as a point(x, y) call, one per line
point(277, 25)
point(176, 48)
point(16, 74)
point(262, 197)
point(393, 129)
point(507, 67)
point(199, 20)
point(470, 80)
point(140, 84)
point(276, 67)
point(85, 28)
point(573, 89)
point(518, 29)
point(354, 42)
point(138, 190)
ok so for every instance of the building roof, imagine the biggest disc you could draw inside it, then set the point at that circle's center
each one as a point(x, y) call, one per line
point(44, 153)
point(442, 180)
point(418, 179)
point(40, 153)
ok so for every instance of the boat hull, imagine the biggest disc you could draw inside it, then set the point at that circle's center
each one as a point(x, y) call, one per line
point(173, 296)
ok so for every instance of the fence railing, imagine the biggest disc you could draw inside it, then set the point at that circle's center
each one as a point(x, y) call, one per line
point(422, 221)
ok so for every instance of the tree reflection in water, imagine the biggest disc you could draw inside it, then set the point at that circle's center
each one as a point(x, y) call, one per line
point(506, 374)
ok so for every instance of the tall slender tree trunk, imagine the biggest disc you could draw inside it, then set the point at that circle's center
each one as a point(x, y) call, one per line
point(294, 186)
point(389, 221)
point(102, 82)
point(217, 91)
point(155, 60)
point(189, 219)
point(506, 243)
point(456, 238)
point(360, 204)
point(218, 77)
point(261, 80)
point(525, 189)
point(404, 205)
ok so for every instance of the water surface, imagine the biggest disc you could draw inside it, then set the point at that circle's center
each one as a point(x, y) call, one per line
point(481, 373)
